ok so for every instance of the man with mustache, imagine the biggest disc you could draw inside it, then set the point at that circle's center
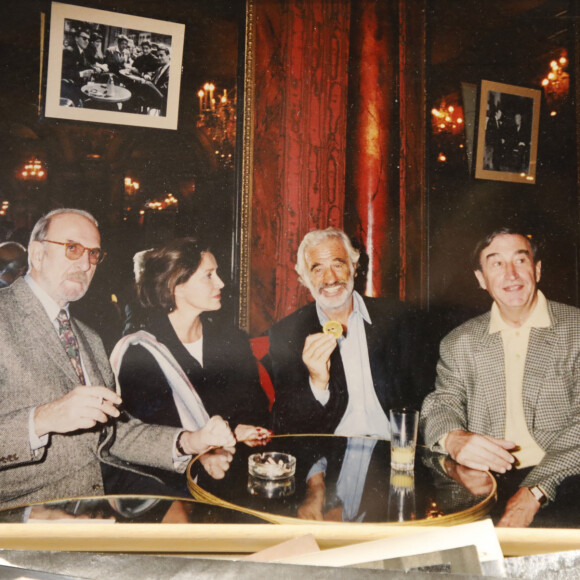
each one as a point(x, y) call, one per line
point(346, 385)
point(507, 397)
point(59, 408)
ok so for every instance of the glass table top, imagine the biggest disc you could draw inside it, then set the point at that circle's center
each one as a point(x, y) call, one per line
point(342, 479)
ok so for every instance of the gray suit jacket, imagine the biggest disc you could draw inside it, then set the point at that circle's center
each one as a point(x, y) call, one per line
point(34, 369)
point(470, 390)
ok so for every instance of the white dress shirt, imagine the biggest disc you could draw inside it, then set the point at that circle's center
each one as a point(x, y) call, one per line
point(364, 414)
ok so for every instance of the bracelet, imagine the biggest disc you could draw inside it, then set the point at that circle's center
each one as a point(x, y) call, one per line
point(178, 445)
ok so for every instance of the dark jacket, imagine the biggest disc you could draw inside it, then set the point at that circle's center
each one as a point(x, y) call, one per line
point(396, 359)
point(228, 383)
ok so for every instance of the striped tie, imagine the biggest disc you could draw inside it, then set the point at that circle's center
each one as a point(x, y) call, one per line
point(69, 341)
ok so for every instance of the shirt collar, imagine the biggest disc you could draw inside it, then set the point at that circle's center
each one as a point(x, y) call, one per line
point(359, 308)
point(539, 318)
point(51, 307)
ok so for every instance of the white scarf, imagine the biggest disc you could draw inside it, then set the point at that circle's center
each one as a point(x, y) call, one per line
point(189, 405)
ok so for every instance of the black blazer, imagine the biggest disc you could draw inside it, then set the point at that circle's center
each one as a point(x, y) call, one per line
point(228, 383)
point(396, 359)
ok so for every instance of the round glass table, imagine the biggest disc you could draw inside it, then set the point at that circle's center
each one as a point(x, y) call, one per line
point(346, 479)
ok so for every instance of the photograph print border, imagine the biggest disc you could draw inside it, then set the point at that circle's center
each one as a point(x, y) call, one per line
point(495, 159)
point(60, 13)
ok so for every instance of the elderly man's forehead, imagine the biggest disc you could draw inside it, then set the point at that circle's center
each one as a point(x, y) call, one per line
point(330, 248)
point(70, 222)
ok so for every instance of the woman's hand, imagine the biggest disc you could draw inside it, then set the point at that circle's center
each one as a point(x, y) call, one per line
point(252, 436)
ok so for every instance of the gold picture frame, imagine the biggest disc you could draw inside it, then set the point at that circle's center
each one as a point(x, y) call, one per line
point(507, 136)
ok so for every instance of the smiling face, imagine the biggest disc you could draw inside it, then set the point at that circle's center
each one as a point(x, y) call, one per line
point(330, 275)
point(509, 274)
point(163, 56)
point(202, 291)
point(62, 279)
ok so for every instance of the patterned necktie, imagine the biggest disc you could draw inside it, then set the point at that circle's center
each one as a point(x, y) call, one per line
point(69, 341)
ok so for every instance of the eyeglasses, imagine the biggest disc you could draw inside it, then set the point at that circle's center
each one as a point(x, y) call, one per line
point(85, 37)
point(74, 251)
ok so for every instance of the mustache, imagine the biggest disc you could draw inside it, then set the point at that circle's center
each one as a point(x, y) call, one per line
point(333, 285)
point(77, 277)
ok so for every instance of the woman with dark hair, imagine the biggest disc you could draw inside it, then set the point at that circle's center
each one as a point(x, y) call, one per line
point(180, 289)
point(185, 365)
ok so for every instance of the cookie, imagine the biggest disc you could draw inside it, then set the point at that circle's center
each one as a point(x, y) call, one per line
point(332, 327)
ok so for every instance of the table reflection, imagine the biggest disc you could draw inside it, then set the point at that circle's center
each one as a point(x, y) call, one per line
point(345, 479)
point(126, 509)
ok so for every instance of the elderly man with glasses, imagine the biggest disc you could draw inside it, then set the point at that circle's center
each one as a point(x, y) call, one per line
point(59, 408)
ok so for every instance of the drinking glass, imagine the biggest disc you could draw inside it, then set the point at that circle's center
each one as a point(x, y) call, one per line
point(404, 425)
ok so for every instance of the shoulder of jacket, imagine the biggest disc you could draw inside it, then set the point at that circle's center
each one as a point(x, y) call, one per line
point(564, 316)
point(473, 328)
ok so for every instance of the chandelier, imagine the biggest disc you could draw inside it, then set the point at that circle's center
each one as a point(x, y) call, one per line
point(217, 119)
point(33, 170)
point(168, 202)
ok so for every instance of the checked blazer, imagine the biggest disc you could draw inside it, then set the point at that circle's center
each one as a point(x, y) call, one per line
point(470, 391)
point(35, 369)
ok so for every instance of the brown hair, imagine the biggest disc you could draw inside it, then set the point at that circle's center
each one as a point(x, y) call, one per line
point(487, 240)
point(165, 268)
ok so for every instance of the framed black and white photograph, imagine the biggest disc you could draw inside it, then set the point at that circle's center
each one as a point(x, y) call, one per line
point(507, 139)
point(115, 68)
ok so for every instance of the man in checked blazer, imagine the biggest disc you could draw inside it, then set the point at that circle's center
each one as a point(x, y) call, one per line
point(54, 430)
point(507, 393)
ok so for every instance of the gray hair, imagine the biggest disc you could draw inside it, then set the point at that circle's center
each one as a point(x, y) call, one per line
point(40, 228)
point(316, 237)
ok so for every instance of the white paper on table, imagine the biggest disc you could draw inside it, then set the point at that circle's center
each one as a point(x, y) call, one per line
point(480, 534)
point(294, 547)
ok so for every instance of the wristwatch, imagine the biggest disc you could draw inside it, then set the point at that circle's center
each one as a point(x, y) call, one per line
point(538, 494)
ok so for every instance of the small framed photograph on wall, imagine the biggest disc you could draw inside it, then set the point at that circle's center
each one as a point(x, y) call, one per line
point(107, 67)
point(507, 137)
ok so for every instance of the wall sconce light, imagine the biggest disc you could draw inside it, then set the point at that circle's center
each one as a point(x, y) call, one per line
point(447, 118)
point(556, 83)
point(131, 186)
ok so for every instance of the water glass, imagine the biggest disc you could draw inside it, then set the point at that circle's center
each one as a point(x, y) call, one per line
point(404, 425)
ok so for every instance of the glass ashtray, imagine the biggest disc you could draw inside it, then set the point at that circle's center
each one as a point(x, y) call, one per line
point(271, 465)
point(271, 488)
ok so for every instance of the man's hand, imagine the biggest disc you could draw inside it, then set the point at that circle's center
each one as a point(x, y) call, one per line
point(316, 356)
point(480, 451)
point(215, 433)
point(252, 436)
point(217, 462)
point(311, 508)
point(475, 481)
point(82, 408)
point(520, 510)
